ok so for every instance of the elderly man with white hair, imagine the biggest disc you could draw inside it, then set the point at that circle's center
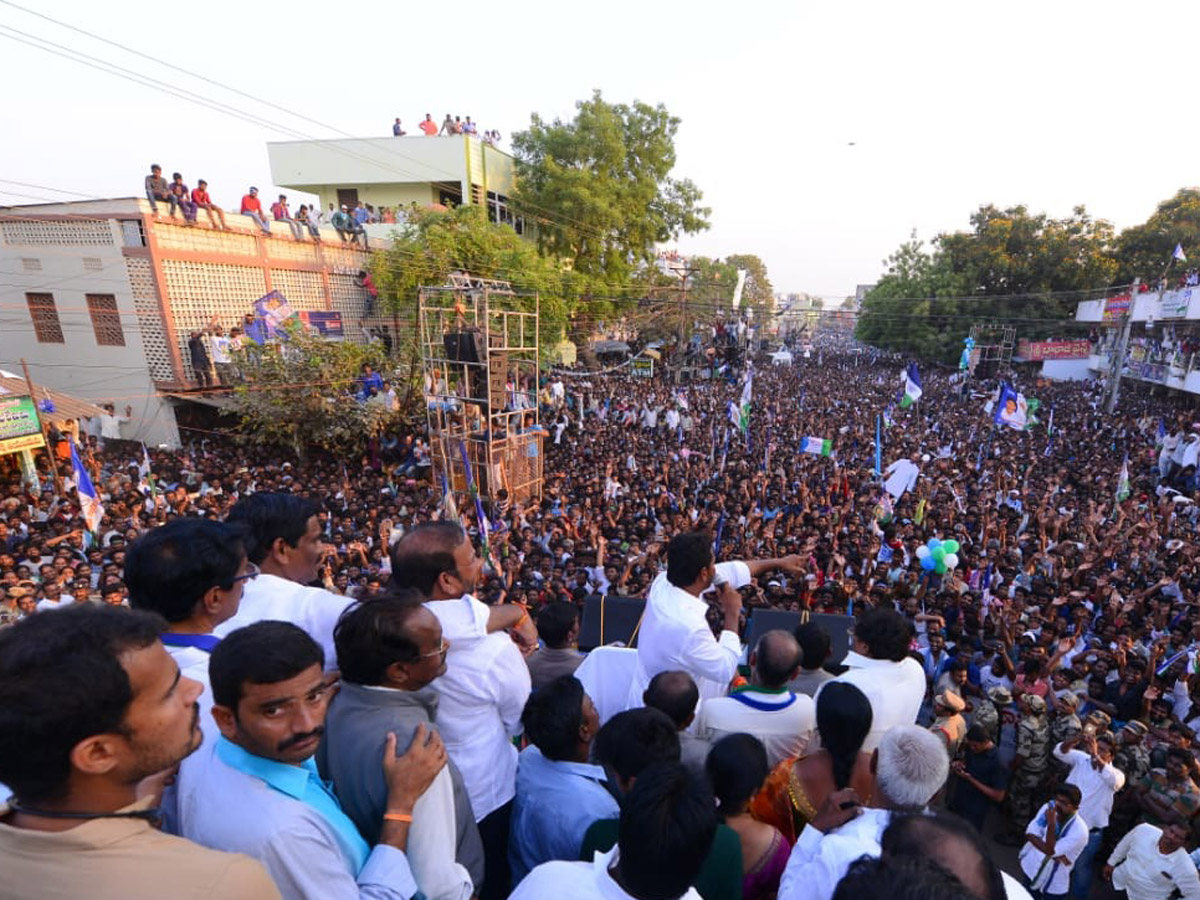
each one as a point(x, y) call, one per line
point(910, 766)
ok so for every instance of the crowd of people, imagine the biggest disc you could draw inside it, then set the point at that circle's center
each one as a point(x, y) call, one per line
point(451, 125)
point(328, 684)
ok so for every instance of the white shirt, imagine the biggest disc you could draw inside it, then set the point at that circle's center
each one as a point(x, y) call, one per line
point(1146, 873)
point(895, 690)
point(675, 637)
point(481, 698)
point(313, 609)
point(606, 673)
point(1097, 786)
point(179, 799)
point(819, 860)
point(1053, 877)
point(578, 881)
point(784, 722)
point(110, 426)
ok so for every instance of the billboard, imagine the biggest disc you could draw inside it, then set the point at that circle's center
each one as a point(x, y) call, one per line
point(1117, 307)
point(326, 324)
point(1036, 351)
point(20, 428)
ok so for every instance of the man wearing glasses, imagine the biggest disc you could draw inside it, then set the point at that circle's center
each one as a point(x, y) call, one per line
point(192, 572)
point(390, 649)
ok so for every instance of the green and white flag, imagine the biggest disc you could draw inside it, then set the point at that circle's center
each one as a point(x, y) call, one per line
point(912, 386)
point(1123, 480)
point(819, 446)
point(740, 415)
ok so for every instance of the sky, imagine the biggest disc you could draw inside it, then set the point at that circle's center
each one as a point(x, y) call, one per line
point(822, 134)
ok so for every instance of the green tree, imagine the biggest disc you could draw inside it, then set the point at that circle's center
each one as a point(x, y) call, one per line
point(1026, 269)
point(298, 394)
point(1144, 250)
point(433, 244)
point(600, 191)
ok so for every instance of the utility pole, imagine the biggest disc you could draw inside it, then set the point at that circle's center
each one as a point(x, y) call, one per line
point(1118, 357)
point(683, 273)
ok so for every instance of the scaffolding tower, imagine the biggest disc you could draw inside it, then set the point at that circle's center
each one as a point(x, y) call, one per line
point(479, 360)
point(994, 343)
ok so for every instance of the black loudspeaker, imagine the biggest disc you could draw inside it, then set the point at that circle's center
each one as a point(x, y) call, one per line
point(764, 620)
point(609, 620)
point(464, 346)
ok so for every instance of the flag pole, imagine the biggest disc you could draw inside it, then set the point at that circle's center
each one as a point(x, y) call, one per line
point(878, 447)
point(58, 483)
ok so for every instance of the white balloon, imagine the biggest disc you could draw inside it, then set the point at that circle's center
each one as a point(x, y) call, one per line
point(951, 560)
point(922, 552)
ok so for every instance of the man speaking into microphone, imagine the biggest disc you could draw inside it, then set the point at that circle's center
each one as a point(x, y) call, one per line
point(675, 635)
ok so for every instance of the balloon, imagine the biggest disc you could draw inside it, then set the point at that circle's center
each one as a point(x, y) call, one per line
point(951, 546)
point(922, 552)
point(939, 555)
point(951, 560)
point(928, 563)
point(941, 569)
point(933, 543)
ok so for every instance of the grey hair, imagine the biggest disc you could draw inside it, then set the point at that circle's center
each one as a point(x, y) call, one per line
point(912, 767)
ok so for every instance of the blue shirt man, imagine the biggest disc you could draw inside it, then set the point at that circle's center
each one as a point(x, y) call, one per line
point(559, 794)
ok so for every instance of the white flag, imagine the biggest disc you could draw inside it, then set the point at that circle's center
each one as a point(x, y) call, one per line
point(1178, 254)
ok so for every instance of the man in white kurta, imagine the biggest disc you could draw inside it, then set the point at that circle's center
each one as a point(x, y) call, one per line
point(674, 633)
point(1150, 863)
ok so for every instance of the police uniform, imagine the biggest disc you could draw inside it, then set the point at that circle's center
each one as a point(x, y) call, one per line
point(1033, 746)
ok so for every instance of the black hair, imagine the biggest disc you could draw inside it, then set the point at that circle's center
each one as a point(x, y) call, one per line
point(424, 553)
point(266, 652)
point(1070, 791)
point(736, 767)
point(169, 569)
point(687, 555)
point(675, 693)
point(776, 656)
point(920, 836)
point(885, 632)
point(666, 830)
point(634, 739)
point(977, 734)
point(552, 717)
point(844, 719)
point(814, 643)
point(372, 635)
point(899, 878)
point(264, 517)
point(62, 681)
point(555, 621)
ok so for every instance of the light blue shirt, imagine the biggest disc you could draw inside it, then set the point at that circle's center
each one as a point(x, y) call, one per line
point(555, 805)
point(287, 818)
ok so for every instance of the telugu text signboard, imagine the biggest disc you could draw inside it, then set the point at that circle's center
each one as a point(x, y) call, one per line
point(1037, 351)
point(20, 428)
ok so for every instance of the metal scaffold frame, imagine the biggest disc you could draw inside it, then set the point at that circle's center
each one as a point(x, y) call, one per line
point(479, 358)
point(994, 343)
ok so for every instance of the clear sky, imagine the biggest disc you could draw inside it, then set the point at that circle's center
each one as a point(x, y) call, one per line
point(822, 134)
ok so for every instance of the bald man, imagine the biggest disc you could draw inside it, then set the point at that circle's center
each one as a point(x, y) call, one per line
point(784, 721)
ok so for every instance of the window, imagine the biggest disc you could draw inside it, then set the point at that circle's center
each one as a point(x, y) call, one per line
point(45, 318)
point(106, 320)
point(500, 211)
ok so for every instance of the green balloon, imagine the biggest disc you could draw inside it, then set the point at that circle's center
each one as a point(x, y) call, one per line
point(950, 546)
point(940, 568)
point(939, 554)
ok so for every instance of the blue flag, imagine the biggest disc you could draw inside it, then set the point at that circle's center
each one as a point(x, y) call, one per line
point(89, 500)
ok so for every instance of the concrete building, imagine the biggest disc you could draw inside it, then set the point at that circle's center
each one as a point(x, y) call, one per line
point(100, 297)
point(397, 172)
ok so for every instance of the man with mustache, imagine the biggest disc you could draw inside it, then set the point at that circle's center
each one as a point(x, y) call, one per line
point(263, 795)
point(95, 711)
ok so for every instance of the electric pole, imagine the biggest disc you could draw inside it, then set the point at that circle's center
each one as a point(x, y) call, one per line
point(1118, 357)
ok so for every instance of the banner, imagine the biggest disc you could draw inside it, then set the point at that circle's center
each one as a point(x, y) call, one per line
point(1117, 307)
point(1036, 351)
point(1175, 303)
point(326, 324)
point(642, 367)
point(20, 428)
point(1011, 409)
point(274, 310)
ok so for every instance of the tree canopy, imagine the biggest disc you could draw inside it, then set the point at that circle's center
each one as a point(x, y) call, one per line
point(600, 192)
point(434, 243)
point(1143, 250)
point(1027, 269)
